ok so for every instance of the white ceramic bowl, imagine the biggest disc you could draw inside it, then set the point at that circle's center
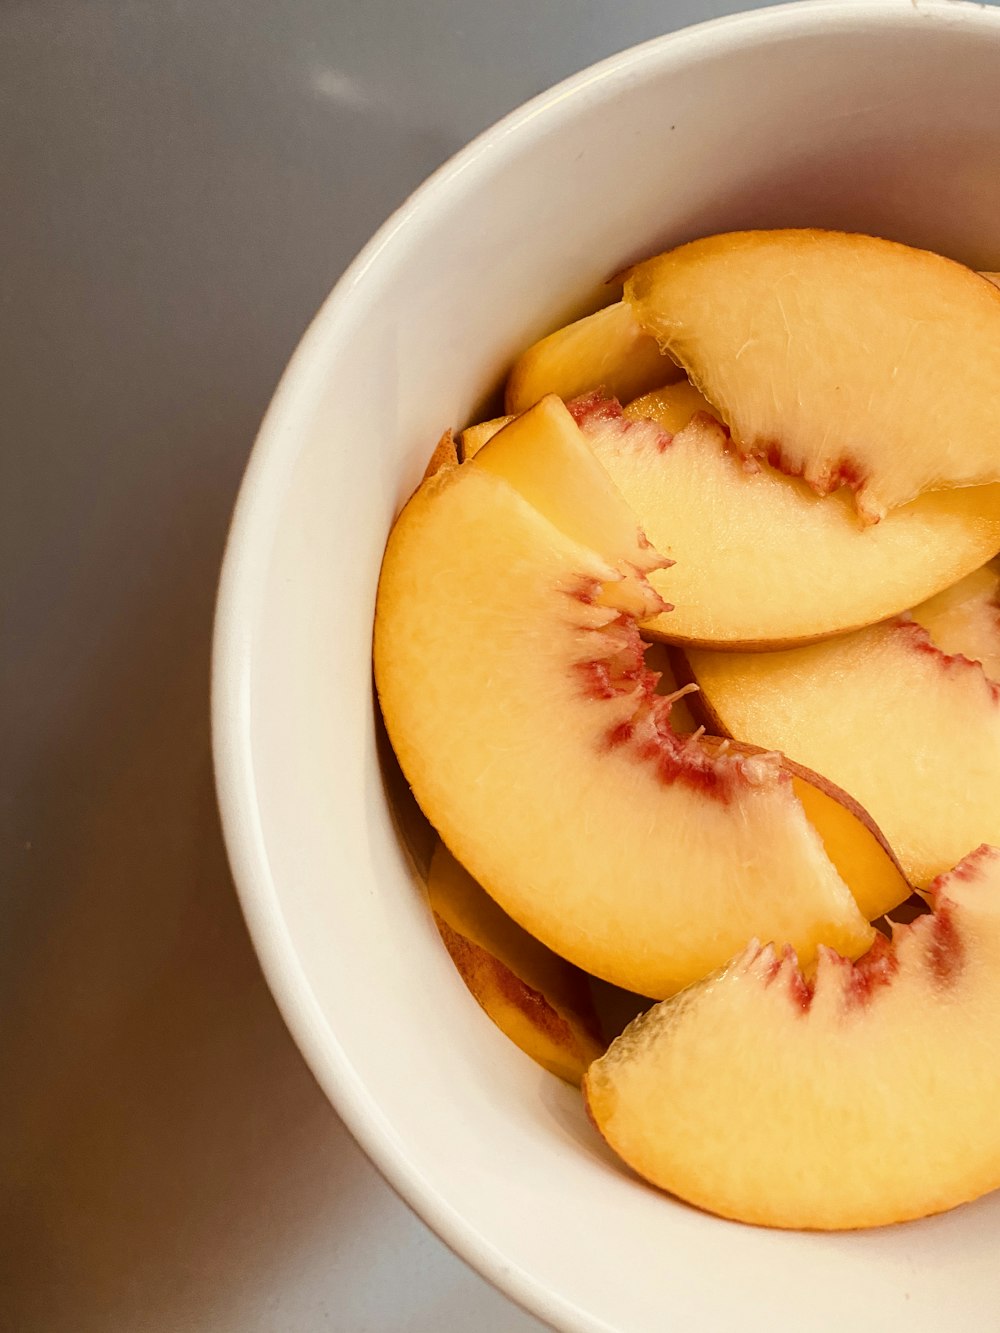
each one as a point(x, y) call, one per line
point(882, 117)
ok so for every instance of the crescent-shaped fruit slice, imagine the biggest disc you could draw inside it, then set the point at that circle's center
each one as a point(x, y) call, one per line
point(537, 999)
point(853, 842)
point(863, 1096)
point(910, 730)
point(845, 359)
point(672, 407)
point(608, 350)
point(510, 673)
point(729, 527)
point(965, 619)
point(474, 437)
point(732, 526)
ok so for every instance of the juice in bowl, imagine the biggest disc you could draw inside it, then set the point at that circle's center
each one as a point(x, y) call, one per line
point(812, 116)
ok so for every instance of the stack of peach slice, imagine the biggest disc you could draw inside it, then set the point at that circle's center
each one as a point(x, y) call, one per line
point(792, 515)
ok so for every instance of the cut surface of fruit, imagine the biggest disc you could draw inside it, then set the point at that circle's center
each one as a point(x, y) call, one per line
point(671, 407)
point(657, 659)
point(912, 733)
point(514, 693)
point(541, 1002)
point(474, 437)
point(864, 1096)
point(445, 455)
point(564, 481)
point(849, 360)
point(607, 350)
point(761, 560)
point(853, 842)
point(965, 619)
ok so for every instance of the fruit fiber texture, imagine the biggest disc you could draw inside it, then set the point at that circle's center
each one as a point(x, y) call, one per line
point(510, 673)
point(910, 730)
point(731, 528)
point(846, 359)
point(865, 1096)
point(965, 619)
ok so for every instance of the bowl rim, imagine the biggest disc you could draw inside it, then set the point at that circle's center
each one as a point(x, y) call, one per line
point(246, 559)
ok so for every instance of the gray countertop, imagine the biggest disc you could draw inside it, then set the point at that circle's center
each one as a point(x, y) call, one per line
point(184, 180)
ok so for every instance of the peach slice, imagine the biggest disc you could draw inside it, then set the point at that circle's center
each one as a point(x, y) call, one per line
point(656, 658)
point(863, 1096)
point(965, 619)
point(731, 526)
point(912, 732)
point(672, 407)
point(514, 693)
point(474, 437)
point(541, 1002)
point(846, 359)
point(445, 454)
point(852, 841)
point(607, 350)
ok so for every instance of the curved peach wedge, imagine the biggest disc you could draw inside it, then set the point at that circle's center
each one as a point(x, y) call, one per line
point(761, 560)
point(672, 407)
point(965, 619)
point(537, 999)
point(608, 350)
point(474, 437)
point(510, 673)
point(851, 839)
point(910, 730)
point(848, 360)
point(862, 1095)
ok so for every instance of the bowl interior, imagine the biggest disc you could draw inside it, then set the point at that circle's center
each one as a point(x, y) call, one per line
point(877, 117)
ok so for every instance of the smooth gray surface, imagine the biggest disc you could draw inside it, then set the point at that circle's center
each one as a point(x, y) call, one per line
point(183, 183)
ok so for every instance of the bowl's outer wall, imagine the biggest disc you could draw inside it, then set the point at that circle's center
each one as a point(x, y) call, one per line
point(879, 117)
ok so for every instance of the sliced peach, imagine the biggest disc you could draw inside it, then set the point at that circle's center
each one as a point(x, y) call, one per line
point(864, 1095)
point(515, 696)
point(671, 407)
point(762, 561)
point(542, 454)
point(657, 659)
point(849, 360)
point(912, 732)
point(474, 437)
point(607, 350)
point(445, 454)
point(965, 619)
point(853, 842)
point(541, 1002)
